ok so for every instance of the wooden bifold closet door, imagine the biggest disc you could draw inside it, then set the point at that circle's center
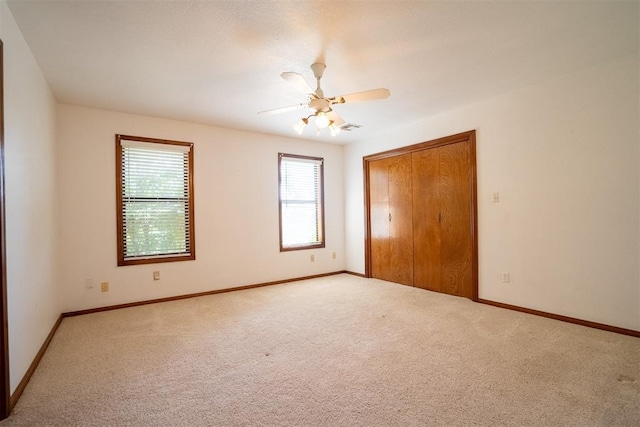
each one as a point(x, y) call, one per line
point(391, 218)
point(421, 212)
point(442, 230)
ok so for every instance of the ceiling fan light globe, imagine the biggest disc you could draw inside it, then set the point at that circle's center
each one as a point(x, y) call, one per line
point(334, 130)
point(300, 125)
point(322, 121)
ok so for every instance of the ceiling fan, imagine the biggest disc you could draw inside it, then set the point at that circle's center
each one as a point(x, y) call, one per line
point(323, 113)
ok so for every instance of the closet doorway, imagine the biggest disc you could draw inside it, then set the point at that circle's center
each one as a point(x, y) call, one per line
point(421, 215)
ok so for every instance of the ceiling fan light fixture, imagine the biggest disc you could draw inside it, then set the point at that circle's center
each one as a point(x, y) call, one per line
point(320, 105)
point(322, 121)
point(300, 125)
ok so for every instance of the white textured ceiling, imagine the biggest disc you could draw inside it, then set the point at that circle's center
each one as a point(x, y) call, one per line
point(219, 62)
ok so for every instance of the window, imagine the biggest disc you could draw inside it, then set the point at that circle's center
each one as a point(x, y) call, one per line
point(154, 200)
point(301, 202)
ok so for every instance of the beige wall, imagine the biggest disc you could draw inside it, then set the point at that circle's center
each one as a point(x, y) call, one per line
point(30, 200)
point(236, 210)
point(564, 157)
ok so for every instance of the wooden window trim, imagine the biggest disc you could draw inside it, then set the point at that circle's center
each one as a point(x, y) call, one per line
point(321, 222)
point(153, 260)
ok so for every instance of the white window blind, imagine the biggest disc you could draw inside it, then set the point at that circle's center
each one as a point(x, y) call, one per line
point(156, 208)
point(301, 204)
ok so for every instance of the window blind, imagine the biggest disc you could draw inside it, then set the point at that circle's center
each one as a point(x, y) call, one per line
point(301, 204)
point(155, 200)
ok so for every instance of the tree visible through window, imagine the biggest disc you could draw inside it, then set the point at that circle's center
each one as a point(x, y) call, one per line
point(155, 200)
point(301, 202)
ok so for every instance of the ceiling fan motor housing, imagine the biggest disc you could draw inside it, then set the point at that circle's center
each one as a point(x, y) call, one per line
point(320, 104)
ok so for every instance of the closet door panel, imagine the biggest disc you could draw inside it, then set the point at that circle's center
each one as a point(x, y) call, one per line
point(456, 249)
point(379, 211)
point(401, 220)
point(426, 214)
point(421, 215)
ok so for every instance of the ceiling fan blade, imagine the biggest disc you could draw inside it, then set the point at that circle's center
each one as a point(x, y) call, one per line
point(283, 109)
point(297, 81)
point(335, 118)
point(367, 95)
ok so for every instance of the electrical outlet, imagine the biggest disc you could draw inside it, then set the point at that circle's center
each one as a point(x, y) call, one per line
point(313, 258)
point(506, 277)
point(333, 255)
point(104, 286)
point(156, 275)
point(88, 283)
point(495, 197)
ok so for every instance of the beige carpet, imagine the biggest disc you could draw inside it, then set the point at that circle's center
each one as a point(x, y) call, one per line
point(336, 351)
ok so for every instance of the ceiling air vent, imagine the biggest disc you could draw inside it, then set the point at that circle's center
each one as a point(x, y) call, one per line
point(348, 126)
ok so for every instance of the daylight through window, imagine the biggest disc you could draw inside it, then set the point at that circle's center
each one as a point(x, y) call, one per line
point(301, 202)
point(155, 200)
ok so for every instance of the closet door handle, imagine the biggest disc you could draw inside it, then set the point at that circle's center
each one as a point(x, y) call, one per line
point(439, 217)
point(389, 217)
